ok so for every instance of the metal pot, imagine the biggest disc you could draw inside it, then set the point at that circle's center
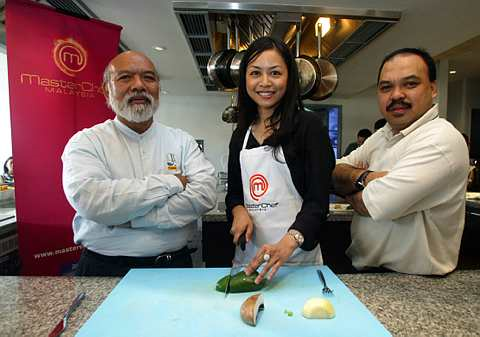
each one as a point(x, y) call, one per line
point(230, 114)
point(235, 67)
point(212, 68)
point(308, 72)
point(218, 67)
point(328, 74)
point(236, 60)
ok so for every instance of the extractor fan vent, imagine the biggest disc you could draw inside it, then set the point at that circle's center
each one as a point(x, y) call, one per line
point(367, 31)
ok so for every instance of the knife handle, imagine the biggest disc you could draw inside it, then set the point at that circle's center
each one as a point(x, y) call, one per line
point(75, 304)
point(242, 241)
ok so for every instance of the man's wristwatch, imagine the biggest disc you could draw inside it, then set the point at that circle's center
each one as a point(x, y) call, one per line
point(360, 182)
point(297, 236)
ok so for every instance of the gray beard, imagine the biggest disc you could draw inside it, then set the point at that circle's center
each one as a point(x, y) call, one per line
point(137, 113)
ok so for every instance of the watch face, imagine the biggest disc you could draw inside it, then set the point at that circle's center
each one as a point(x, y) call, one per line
point(359, 185)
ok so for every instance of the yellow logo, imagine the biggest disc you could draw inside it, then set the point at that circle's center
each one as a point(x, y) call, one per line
point(69, 56)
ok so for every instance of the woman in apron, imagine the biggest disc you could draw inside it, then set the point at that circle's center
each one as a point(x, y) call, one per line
point(279, 166)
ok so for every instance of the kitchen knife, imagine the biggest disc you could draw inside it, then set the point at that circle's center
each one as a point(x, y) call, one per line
point(242, 241)
point(62, 324)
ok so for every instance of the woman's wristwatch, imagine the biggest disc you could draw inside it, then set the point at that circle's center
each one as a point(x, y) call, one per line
point(297, 236)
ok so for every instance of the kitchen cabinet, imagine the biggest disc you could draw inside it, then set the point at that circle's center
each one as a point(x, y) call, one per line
point(470, 249)
point(217, 246)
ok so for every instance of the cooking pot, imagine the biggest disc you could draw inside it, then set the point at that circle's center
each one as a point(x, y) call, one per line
point(218, 67)
point(235, 67)
point(230, 114)
point(328, 74)
point(308, 71)
point(236, 60)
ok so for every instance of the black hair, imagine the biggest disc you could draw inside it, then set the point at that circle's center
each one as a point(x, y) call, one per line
point(380, 123)
point(5, 167)
point(365, 133)
point(285, 115)
point(426, 57)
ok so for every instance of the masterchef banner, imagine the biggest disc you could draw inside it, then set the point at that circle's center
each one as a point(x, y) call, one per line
point(55, 68)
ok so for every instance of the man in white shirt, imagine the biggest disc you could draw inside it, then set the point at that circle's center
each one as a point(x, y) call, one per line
point(137, 186)
point(407, 182)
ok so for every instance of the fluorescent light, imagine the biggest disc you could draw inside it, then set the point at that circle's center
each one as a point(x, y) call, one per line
point(160, 48)
point(326, 24)
point(452, 72)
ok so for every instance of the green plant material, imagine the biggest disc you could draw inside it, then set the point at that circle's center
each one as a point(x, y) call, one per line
point(240, 283)
point(288, 312)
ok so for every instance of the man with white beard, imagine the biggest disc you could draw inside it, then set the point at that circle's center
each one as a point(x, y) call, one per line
point(137, 186)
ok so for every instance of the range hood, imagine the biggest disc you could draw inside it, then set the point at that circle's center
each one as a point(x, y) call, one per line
point(206, 26)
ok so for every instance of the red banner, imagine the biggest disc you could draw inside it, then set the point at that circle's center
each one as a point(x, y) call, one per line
point(55, 69)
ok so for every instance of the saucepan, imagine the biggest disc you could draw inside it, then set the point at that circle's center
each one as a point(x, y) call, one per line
point(230, 114)
point(308, 71)
point(218, 67)
point(328, 74)
point(236, 60)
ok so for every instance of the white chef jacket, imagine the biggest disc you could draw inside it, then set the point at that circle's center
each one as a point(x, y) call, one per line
point(123, 188)
point(418, 209)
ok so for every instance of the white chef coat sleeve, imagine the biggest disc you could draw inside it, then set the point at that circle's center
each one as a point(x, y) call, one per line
point(417, 181)
point(96, 196)
point(198, 197)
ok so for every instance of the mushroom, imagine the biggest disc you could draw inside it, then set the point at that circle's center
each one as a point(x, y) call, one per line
point(316, 307)
point(250, 308)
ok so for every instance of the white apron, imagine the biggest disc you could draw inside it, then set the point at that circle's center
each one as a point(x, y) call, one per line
point(272, 201)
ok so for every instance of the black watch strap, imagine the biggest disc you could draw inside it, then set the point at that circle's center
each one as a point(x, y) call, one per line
point(360, 182)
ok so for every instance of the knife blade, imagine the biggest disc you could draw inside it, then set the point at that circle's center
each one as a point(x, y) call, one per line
point(242, 241)
point(62, 324)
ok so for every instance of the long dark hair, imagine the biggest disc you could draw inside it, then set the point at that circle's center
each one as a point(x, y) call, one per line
point(286, 113)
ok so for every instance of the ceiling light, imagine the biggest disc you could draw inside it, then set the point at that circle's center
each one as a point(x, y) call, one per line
point(452, 72)
point(159, 48)
point(325, 24)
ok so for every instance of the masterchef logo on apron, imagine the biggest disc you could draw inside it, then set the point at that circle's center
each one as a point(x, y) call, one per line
point(258, 186)
point(261, 207)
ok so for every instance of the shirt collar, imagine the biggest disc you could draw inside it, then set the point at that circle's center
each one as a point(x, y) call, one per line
point(132, 134)
point(431, 114)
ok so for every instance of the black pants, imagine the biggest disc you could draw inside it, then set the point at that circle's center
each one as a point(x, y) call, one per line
point(94, 264)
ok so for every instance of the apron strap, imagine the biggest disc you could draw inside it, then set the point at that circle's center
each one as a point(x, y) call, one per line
point(245, 140)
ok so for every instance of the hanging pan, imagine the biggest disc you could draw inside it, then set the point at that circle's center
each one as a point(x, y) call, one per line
point(218, 67)
point(328, 73)
point(237, 59)
point(230, 114)
point(308, 71)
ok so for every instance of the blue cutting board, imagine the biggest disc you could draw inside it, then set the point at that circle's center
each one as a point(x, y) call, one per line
point(183, 302)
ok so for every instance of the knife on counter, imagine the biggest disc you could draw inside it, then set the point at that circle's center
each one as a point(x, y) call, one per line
point(242, 241)
point(62, 324)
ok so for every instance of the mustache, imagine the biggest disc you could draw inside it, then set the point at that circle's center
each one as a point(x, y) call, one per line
point(400, 103)
point(129, 97)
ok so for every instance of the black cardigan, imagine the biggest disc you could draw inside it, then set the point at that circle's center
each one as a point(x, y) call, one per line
point(309, 158)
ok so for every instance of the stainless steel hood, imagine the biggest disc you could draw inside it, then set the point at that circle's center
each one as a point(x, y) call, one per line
point(205, 26)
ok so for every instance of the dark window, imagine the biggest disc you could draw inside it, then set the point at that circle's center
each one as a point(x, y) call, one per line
point(331, 117)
